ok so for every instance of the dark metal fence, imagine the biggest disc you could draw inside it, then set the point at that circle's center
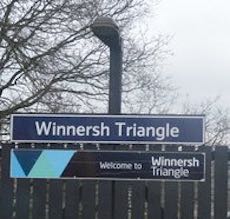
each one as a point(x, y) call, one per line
point(82, 199)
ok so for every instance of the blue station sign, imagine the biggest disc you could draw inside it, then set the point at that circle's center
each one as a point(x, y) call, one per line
point(136, 129)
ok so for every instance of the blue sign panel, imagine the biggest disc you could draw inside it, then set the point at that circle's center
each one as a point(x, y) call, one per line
point(139, 129)
point(107, 165)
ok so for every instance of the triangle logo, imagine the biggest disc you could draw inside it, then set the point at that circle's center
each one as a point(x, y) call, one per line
point(15, 168)
point(41, 169)
point(51, 164)
point(27, 159)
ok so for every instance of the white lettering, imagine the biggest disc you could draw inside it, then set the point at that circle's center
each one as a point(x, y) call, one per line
point(172, 162)
point(80, 130)
point(61, 130)
point(120, 127)
point(160, 133)
point(43, 128)
point(174, 132)
point(104, 130)
point(52, 128)
point(116, 165)
point(70, 130)
point(170, 172)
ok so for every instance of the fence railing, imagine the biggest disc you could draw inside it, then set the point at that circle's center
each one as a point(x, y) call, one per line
point(82, 199)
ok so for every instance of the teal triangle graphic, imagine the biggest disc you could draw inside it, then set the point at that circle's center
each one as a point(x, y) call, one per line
point(27, 158)
point(51, 163)
point(41, 169)
point(58, 160)
point(16, 170)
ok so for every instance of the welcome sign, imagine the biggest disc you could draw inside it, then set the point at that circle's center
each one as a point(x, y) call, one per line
point(138, 129)
point(107, 165)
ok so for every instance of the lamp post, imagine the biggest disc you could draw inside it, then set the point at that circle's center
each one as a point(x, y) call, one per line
point(108, 32)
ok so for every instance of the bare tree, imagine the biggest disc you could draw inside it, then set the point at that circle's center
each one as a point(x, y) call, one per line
point(217, 121)
point(50, 61)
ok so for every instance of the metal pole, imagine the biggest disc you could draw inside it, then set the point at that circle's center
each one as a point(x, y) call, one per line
point(115, 90)
point(108, 32)
point(115, 87)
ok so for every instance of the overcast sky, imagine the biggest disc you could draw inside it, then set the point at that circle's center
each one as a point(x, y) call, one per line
point(200, 65)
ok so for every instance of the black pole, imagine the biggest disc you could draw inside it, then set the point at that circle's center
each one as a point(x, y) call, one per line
point(115, 87)
point(108, 32)
point(115, 90)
